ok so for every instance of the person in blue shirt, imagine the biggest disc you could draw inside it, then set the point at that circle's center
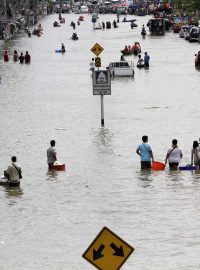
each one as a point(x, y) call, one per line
point(145, 152)
point(146, 59)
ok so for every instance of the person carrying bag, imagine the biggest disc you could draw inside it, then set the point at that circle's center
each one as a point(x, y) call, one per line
point(13, 173)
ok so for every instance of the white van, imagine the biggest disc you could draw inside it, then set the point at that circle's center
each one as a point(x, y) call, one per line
point(121, 68)
point(84, 9)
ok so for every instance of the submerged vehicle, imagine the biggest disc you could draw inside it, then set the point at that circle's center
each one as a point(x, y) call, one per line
point(156, 26)
point(183, 30)
point(194, 34)
point(197, 60)
point(121, 68)
point(178, 22)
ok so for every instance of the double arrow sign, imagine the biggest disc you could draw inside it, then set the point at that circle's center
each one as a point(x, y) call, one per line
point(118, 251)
point(108, 251)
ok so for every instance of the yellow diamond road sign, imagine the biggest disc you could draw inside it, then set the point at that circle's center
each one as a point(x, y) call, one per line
point(108, 251)
point(97, 49)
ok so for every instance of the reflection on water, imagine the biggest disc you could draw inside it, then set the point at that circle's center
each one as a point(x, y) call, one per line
point(13, 192)
point(51, 175)
point(103, 137)
point(145, 176)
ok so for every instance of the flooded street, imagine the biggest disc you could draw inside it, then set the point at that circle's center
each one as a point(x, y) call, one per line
point(49, 221)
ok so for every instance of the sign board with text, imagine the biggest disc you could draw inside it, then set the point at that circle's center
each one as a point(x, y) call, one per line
point(108, 251)
point(101, 82)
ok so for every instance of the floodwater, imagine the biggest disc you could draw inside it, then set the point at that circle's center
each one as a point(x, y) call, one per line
point(49, 221)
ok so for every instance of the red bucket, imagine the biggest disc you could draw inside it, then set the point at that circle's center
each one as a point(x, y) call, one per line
point(157, 166)
point(60, 167)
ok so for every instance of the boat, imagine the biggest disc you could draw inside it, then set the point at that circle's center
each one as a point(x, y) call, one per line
point(59, 51)
point(97, 28)
point(130, 20)
point(135, 49)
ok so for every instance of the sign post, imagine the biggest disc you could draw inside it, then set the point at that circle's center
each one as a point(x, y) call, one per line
point(101, 79)
point(108, 251)
point(102, 111)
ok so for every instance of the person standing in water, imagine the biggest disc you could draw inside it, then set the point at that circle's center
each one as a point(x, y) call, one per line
point(5, 56)
point(27, 58)
point(145, 152)
point(174, 155)
point(63, 48)
point(15, 56)
point(21, 58)
point(195, 155)
point(13, 173)
point(51, 154)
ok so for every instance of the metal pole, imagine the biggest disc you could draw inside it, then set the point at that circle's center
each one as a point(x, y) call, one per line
point(5, 9)
point(102, 112)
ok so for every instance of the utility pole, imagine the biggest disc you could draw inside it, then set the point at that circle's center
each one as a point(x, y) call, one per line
point(5, 9)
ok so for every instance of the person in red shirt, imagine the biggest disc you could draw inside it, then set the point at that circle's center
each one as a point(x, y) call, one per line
point(27, 58)
point(5, 56)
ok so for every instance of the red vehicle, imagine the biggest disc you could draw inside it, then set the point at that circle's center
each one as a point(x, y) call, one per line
point(178, 22)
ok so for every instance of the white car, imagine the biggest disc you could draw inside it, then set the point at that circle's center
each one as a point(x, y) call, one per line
point(84, 9)
point(121, 68)
point(183, 30)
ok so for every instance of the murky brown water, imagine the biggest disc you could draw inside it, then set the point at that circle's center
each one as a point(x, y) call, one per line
point(51, 219)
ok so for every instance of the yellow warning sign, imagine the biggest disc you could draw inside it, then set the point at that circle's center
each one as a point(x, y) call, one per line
point(97, 49)
point(108, 251)
point(97, 61)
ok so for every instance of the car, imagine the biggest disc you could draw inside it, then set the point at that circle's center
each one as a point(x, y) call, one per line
point(75, 8)
point(121, 68)
point(84, 9)
point(184, 29)
point(194, 34)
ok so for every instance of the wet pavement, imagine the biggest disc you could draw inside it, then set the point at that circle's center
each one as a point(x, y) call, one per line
point(49, 221)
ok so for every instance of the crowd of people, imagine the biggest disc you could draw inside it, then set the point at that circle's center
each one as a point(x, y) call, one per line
point(173, 157)
point(22, 58)
point(13, 174)
point(135, 49)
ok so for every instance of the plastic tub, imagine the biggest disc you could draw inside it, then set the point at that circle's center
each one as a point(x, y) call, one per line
point(58, 51)
point(187, 168)
point(157, 166)
point(60, 167)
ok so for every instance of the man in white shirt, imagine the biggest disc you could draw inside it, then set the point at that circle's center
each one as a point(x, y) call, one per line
point(92, 65)
point(174, 155)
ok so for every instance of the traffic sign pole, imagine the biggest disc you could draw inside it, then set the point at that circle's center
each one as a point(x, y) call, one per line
point(97, 50)
point(102, 112)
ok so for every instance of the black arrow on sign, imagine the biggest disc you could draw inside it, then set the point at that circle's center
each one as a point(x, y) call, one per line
point(97, 253)
point(118, 250)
